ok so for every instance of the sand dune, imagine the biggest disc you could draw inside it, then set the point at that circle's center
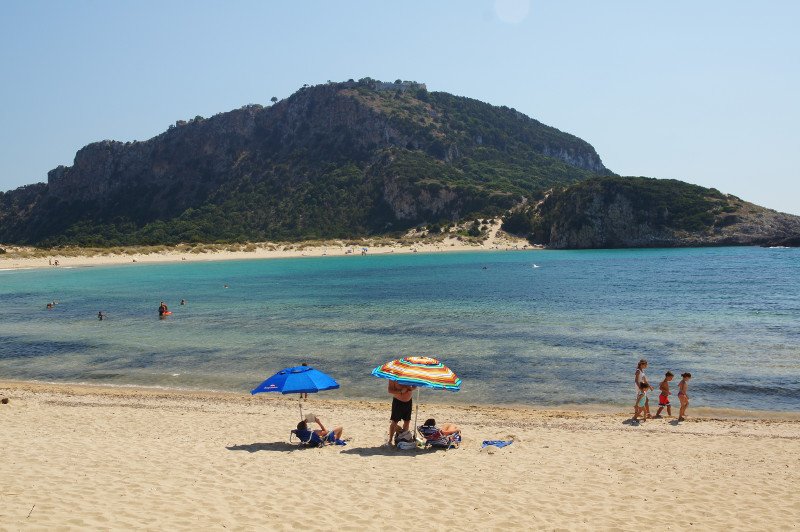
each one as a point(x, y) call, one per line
point(105, 458)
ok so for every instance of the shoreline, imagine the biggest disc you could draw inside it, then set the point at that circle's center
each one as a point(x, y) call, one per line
point(19, 258)
point(133, 390)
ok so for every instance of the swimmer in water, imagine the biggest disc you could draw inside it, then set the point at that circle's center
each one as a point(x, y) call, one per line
point(162, 309)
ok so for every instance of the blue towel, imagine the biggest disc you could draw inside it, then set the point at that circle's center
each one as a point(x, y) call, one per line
point(497, 443)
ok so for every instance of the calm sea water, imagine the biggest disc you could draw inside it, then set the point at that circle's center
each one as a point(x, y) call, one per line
point(537, 327)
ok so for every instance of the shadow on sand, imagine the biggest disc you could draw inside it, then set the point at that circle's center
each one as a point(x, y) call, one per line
point(384, 451)
point(272, 446)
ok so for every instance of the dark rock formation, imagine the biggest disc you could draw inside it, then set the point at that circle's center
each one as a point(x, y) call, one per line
point(789, 242)
point(612, 212)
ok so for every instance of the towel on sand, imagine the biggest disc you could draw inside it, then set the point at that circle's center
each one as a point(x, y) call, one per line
point(497, 443)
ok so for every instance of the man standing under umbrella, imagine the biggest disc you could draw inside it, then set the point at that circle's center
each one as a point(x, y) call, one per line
point(401, 407)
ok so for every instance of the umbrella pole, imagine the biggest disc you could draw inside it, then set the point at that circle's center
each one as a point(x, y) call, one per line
point(416, 414)
point(300, 404)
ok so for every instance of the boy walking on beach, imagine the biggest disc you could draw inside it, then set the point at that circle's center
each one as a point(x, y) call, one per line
point(663, 397)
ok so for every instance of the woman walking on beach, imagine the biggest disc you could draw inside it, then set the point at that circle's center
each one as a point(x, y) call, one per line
point(640, 378)
point(683, 394)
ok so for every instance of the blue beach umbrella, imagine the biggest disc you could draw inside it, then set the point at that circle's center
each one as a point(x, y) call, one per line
point(299, 379)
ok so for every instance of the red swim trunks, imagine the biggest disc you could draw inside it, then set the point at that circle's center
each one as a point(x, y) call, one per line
point(663, 400)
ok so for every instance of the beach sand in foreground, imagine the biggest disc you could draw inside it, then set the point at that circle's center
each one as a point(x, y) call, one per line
point(110, 458)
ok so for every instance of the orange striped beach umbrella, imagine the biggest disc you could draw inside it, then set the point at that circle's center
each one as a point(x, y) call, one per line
point(419, 371)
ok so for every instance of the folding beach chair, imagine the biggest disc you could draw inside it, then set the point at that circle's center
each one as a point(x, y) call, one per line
point(435, 438)
point(309, 438)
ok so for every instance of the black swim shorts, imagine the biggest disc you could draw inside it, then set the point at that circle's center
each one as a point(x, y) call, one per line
point(401, 411)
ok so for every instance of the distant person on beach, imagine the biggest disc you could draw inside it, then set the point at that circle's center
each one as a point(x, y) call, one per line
point(663, 397)
point(683, 394)
point(641, 401)
point(162, 309)
point(639, 378)
point(401, 407)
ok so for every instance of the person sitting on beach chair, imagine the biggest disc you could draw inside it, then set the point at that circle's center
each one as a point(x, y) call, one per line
point(318, 437)
point(446, 436)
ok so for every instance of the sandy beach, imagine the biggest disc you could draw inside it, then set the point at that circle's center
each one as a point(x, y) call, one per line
point(122, 458)
point(25, 258)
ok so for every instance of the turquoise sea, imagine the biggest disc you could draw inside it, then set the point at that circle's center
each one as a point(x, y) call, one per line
point(520, 327)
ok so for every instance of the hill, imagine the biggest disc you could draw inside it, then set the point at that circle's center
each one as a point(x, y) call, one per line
point(331, 161)
point(614, 212)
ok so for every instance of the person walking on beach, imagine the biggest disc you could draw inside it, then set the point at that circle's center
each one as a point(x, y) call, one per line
point(639, 378)
point(641, 401)
point(401, 407)
point(683, 394)
point(663, 398)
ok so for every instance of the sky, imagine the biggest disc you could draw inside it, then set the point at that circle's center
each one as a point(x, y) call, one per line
point(702, 91)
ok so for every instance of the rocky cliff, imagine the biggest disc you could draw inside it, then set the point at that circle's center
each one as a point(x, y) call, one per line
point(613, 212)
point(362, 158)
point(337, 159)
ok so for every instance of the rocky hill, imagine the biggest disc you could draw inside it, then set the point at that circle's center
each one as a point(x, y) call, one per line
point(334, 160)
point(614, 212)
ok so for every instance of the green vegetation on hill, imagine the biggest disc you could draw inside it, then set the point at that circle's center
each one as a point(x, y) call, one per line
point(356, 159)
point(610, 211)
point(331, 161)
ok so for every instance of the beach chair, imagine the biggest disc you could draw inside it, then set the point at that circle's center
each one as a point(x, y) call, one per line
point(435, 438)
point(309, 438)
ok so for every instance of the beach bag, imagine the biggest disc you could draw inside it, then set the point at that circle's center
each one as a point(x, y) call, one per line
point(405, 435)
point(405, 440)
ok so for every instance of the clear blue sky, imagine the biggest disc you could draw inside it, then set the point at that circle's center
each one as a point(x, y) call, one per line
point(702, 91)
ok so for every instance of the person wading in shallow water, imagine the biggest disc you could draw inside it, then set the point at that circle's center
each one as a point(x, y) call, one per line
point(162, 309)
